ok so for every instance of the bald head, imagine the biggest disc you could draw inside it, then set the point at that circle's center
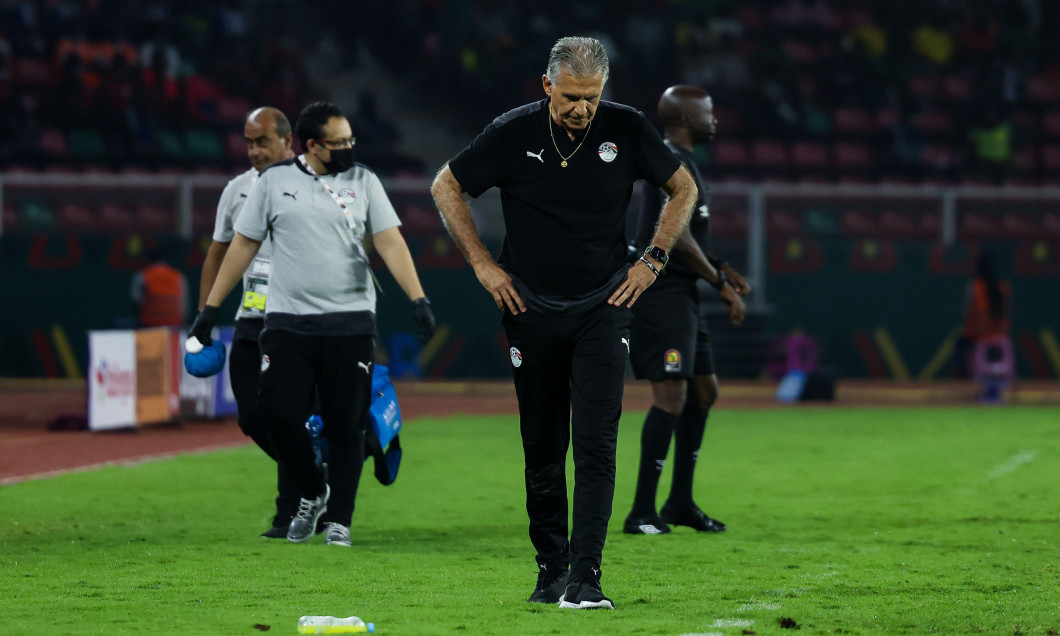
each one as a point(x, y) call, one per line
point(268, 135)
point(688, 112)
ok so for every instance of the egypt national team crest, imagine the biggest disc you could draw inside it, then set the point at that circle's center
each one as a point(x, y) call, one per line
point(265, 363)
point(608, 151)
point(672, 361)
point(517, 357)
point(347, 196)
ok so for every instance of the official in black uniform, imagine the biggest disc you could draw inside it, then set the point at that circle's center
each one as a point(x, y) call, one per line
point(565, 167)
point(670, 344)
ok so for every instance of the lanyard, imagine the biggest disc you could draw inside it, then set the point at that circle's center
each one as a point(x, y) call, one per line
point(331, 193)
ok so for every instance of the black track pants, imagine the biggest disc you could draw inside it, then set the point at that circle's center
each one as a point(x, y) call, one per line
point(569, 377)
point(296, 367)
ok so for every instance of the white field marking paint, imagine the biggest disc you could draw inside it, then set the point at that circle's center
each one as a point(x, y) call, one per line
point(128, 463)
point(703, 634)
point(1012, 463)
point(758, 605)
point(725, 623)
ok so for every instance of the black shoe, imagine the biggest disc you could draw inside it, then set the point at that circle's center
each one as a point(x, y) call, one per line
point(651, 524)
point(583, 592)
point(692, 517)
point(279, 527)
point(551, 581)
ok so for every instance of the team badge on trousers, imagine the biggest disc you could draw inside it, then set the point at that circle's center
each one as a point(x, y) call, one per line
point(517, 357)
point(672, 361)
point(265, 363)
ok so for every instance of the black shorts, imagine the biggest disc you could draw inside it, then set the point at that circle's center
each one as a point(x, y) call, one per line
point(669, 338)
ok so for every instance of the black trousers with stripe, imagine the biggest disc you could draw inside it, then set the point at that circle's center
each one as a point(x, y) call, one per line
point(294, 369)
point(569, 378)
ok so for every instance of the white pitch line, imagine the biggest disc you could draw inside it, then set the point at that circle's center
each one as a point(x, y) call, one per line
point(130, 461)
point(724, 623)
point(1012, 463)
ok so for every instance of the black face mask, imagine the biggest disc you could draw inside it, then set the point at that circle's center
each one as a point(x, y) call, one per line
point(341, 161)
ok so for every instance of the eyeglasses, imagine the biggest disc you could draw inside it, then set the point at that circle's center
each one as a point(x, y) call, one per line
point(338, 143)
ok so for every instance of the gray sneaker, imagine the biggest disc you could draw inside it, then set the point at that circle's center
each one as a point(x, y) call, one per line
point(305, 521)
point(338, 534)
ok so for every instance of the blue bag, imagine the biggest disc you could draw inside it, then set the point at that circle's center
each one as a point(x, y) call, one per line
point(384, 423)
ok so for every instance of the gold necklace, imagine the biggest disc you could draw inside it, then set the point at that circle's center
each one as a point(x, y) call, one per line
point(552, 134)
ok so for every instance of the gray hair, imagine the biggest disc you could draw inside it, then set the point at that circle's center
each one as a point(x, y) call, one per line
point(579, 56)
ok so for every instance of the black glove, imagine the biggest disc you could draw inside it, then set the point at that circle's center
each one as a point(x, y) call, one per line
point(203, 325)
point(421, 309)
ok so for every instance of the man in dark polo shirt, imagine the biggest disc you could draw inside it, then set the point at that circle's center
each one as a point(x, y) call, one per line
point(671, 343)
point(565, 167)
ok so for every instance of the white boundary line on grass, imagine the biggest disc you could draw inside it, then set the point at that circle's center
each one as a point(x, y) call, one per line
point(1012, 463)
point(131, 461)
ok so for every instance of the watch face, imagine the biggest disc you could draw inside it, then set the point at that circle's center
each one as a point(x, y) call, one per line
point(657, 253)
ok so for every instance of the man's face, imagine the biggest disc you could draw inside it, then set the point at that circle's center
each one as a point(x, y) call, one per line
point(574, 100)
point(264, 146)
point(336, 135)
point(702, 121)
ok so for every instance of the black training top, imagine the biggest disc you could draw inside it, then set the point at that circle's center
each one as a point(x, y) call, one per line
point(698, 225)
point(565, 227)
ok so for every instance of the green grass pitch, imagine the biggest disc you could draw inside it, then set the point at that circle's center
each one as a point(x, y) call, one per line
point(851, 521)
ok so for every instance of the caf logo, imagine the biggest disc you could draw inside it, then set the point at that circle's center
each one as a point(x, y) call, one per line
point(672, 361)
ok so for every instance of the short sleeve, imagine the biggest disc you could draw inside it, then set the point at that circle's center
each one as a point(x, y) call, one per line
point(479, 166)
point(253, 221)
point(222, 228)
point(655, 162)
point(381, 213)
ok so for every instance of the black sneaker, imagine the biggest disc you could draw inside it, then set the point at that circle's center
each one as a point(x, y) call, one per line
point(692, 517)
point(551, 581)
point(279, 527)
point(583, 592)
point(645, 525)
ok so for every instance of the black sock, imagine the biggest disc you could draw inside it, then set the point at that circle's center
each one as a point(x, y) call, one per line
point(688, 437)
point(654, 443)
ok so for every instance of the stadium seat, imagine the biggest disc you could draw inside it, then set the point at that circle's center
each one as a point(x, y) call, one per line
point(9, 219)
point(87, 143)
point(935, 124)
point(938, 157)
point(1051, 159)
point(1050, 224)
point(27, 71)
point(770, 155)
point(729, 120)
point(975, 225)
point(956, 88)
point(232, 110)
point(730, 154)
point(203, 145)
point(203, 220)
point(1020, 225)
point(783, 223)
point(924, 88)
point(169, 144)
point(799, 51)
point(1051, 124)
point(155, 219)
point(728, 224)
point(910, 225)
point(36, 215)
point(114, 218)
point(1043, 91)
point(853, 122)
point(853, 158)
point(859, 223)
point(811, 156)
point(235, 146)
point(53, 143)
point(1027, 162)
point(76, 218)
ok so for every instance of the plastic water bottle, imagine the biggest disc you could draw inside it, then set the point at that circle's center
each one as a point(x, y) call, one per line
point(332, 625)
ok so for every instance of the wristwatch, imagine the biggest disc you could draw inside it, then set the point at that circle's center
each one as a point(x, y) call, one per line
point(722, 279)
point(657, 253)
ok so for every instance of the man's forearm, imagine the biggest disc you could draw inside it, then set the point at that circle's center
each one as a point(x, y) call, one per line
point(682, 192)
point(214, 255)
point(239, 255)
point(687, 252)
point(456, 214)
point(395, 253)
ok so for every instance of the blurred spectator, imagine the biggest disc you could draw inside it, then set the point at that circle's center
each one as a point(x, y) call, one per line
point(987, 312)
point(991, 154)
point(161, 293)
